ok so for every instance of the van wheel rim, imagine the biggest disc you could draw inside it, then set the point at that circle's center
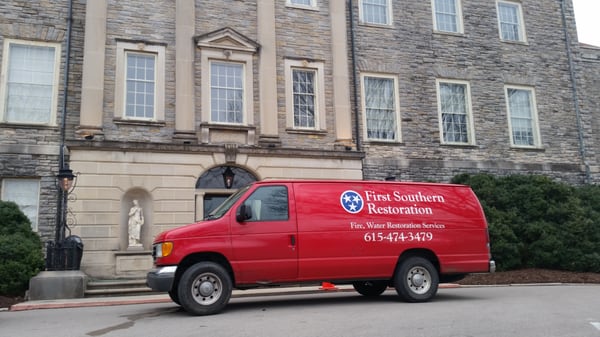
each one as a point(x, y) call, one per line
point(418, 280)
point(207, 289)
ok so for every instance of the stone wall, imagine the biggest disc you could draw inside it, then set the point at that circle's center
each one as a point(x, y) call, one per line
point(31, 151)
point(589, 98)
point(413, 51)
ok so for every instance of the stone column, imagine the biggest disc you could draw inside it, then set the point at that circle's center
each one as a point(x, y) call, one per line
point(185, 126)
point(341, 77)
point(92, 83)
point(267, 73)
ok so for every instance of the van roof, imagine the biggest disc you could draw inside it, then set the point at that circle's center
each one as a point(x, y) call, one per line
point(348, 181)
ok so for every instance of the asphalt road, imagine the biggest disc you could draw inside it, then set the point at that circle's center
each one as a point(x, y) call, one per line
point(531, 311)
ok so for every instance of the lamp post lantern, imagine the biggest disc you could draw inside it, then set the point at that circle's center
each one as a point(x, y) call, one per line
point(65, 178)
point(228, 177)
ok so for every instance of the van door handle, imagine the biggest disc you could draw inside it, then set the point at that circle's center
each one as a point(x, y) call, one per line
point(293, 240)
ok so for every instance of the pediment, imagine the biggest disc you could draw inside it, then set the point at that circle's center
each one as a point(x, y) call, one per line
point(226, 38)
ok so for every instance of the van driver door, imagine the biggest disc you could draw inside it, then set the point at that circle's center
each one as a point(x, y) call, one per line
point(264, 244)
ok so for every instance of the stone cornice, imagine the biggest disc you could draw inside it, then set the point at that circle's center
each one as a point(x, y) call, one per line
point(106, 145)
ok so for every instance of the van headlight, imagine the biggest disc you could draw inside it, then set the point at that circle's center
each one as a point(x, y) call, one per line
point(162, 249)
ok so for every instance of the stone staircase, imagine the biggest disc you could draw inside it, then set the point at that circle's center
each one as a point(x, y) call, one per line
point(117, 287)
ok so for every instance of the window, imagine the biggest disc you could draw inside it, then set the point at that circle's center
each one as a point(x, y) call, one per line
point(226, 92)
point(303, 91)
point(305, 95)
point(380, 104)
point(447, 16)
point(454, 105)
point(268, 203)
point(29, 88)
point(212, 201)
point(25, 193)
point(141, 83)
point(522, 116)
point(376, 12)
point(227, 80)
point(139, 87)
point(510, 21)
point(302, 3)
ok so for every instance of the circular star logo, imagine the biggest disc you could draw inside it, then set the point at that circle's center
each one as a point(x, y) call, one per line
point(351, 201)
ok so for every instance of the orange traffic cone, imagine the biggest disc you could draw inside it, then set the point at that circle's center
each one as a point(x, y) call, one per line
point(328, 286)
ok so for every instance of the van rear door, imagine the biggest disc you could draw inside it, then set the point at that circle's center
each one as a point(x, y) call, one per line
point(264, 244)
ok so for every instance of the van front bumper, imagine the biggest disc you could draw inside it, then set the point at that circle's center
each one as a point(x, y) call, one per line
point(161, 279)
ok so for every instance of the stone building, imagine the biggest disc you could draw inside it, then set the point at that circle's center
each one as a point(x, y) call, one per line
point(175, 104)
point(589, 85)
point(33, 40)
point(478, 86)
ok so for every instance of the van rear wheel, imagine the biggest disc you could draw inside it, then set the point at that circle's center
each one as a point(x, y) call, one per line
point(416, 280)
point(370, 288)
point(204, 289)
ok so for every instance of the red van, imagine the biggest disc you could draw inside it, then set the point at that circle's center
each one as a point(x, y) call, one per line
point(371, 234)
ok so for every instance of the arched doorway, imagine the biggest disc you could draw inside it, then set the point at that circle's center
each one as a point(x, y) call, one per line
point(217, 184)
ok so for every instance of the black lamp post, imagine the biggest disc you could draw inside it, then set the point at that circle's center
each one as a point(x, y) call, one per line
point(57, 251)
point(228, 176)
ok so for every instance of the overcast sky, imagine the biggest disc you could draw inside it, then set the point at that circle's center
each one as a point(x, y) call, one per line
point(587, 16)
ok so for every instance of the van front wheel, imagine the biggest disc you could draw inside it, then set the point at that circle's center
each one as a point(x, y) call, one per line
point(174, 297)
point(416, 280)
point(204, 289)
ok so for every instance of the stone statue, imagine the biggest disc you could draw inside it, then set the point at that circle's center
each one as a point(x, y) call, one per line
point(136, 221)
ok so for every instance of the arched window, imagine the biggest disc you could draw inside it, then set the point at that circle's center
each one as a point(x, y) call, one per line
point(214, 190)
point(213, 178)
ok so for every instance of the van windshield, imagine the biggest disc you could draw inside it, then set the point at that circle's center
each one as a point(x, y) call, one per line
point(226, 205)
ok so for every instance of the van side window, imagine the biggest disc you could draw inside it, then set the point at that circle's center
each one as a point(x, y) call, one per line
point(268, 203)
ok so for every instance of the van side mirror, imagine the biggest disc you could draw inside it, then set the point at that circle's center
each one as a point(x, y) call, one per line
point(244, 212)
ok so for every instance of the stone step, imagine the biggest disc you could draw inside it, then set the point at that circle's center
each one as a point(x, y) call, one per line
point(118, 287)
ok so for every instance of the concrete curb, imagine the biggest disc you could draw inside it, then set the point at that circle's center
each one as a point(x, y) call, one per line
point(164, 298)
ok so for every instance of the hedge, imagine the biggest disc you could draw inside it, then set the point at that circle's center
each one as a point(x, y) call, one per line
point(21, 256)
point(535, 222)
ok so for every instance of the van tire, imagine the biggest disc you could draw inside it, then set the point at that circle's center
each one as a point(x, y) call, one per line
point(204, 289)
point(416, 280)
point(174, 297)
point(370, 288)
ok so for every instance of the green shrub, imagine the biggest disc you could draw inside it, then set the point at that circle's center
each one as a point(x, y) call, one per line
point(21, 257)
point(535, 222)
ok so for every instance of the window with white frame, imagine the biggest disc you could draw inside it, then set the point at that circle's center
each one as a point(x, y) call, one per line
point(302, 3)
point(25, 193)
point(454, 106)
point(227, 86)
point(380, 106)
point(447, 16)
point(378, 12)
point(304, 93)
point(510, 21)
point(29, 87)
point(305, 97)
point(522, 116)
point(226, 92)
point(139, 87)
